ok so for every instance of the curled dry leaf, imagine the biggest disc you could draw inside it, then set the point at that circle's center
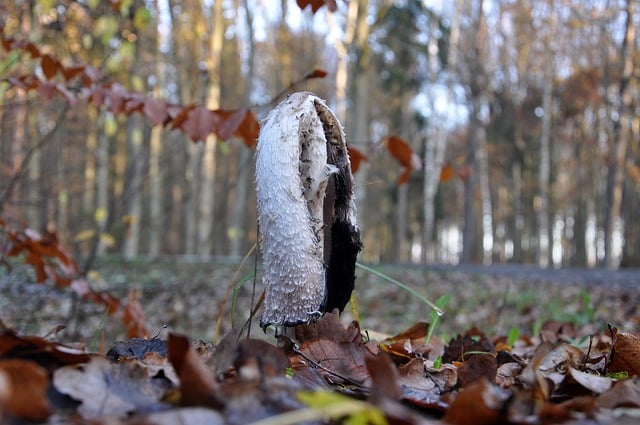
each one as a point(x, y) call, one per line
point(197, 386)
point(625, 354)
point(594, 383)
point(46, 353)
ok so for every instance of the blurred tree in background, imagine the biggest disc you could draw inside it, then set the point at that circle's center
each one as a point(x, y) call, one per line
point(524, 114)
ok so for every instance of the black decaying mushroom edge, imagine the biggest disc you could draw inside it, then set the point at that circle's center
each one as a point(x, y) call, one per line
point(341, 238)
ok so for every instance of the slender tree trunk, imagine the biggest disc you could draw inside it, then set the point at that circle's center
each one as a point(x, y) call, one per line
point(469, 231)
point(485, 197)
point(358, 81)
point(435, 143)
point(206, 205)
point(621, 128)
point(239, 217)
point(89, 189)
point(101, 213)
point(133, 186)
point(544, 171)
point(476, 94)
point(155, 187)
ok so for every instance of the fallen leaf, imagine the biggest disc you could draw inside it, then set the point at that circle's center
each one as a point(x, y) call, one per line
point(625, 354)
point(622, 394)
point(480, 403)
point(594, 383)
point(106, 388)
point(475, 367)
point(46, 353)
point(184, 415)
point(23, 387)
point(197, 386)
point(471, 341)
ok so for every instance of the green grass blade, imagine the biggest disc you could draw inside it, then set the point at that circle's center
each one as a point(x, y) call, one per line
point(403, 286)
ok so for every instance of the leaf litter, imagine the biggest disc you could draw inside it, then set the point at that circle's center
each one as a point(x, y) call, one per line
point(329, 372)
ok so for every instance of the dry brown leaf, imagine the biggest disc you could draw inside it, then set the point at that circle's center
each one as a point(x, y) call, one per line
point(197, 385)
point(329, 327)
point(594, 383)
point(625, 354)
point(106, 388)
point(624, 393)
point(475, 367)
point(473, 340)
point(23, 386)
point(480, 403)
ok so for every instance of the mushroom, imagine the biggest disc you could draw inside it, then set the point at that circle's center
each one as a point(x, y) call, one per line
point(309, 237)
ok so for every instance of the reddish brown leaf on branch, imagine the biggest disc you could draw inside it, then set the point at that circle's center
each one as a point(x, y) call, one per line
point(403, 153)
point(447, 173)
point(200, 122)
point(316, 73)
point(156, 111)
point(317, 4)
point(464, 172)
point(71, 72)
point(50, 66)
point(356, 157)
point(240, 123)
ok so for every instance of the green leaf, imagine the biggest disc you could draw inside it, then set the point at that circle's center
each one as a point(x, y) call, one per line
point(513, 335)
point(434, 321)
point(437, 363)
point(618, 375)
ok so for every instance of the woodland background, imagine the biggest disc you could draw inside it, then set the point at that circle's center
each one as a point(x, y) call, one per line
point(524, 115)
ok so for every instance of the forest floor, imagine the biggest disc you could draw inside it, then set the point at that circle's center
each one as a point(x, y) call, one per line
point(184, 296)
point(516, 345)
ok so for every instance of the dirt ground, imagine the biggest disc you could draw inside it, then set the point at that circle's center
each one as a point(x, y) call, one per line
point(186, 296)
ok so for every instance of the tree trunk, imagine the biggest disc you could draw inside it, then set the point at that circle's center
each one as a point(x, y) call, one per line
point(206, 205)
point(359, 83)
point(621, 129)
point(239, 216)
point(544, 170)
point(134, 177)
point(435, 143)
point(101, 212)
point(485, 197)
point(155, 189)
